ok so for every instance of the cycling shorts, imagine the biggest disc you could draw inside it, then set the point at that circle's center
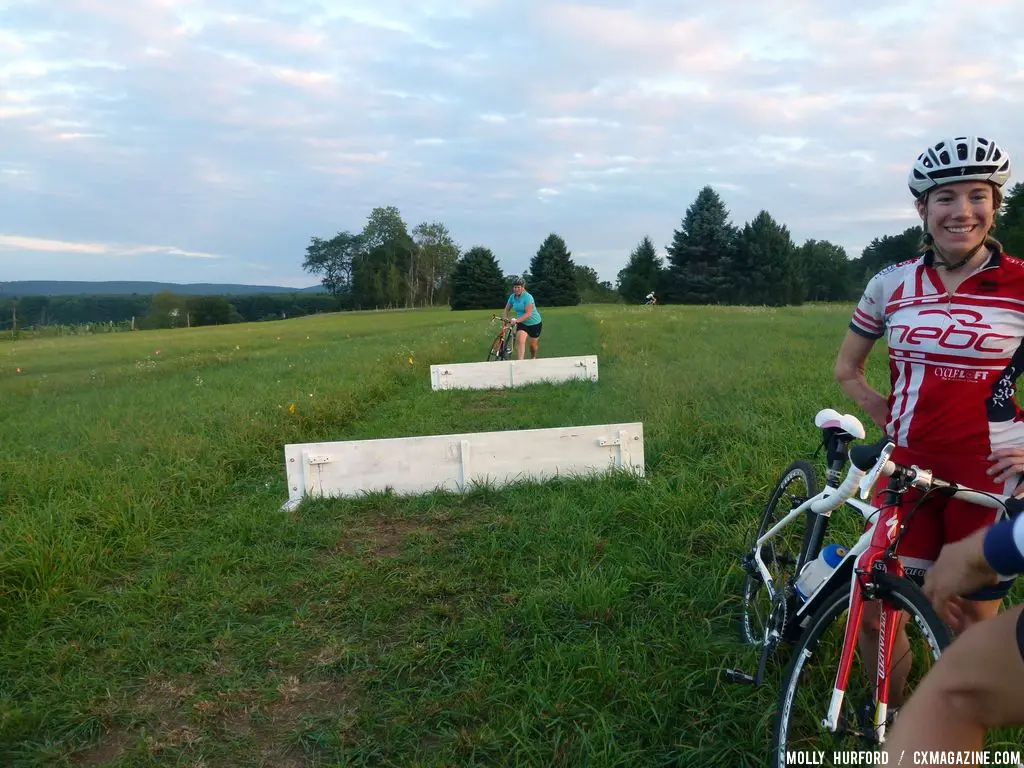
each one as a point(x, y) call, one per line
point(533, 331)
point(939, 520)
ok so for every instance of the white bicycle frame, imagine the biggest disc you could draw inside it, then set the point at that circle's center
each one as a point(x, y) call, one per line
point(830, 499)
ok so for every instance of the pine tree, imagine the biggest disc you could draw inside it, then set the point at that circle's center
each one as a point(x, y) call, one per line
point(765, 269)
point(552, 277)
point(1010, 229)
point(642, 273)
point(701, 253)
point(477, 282)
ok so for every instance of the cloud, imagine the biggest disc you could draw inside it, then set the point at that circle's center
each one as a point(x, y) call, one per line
point(37, 244)
point(244, 129)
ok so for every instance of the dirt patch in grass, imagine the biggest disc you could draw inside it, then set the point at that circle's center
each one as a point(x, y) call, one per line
point(168, 716)
point(486, 401)
point(381, 536)
point(110, 747)
point(269, 725)
point(155, 709)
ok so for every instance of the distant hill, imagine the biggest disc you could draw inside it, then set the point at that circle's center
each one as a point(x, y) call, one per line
point(122, 288)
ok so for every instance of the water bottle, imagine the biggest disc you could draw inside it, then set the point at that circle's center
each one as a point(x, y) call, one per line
point(815, 572)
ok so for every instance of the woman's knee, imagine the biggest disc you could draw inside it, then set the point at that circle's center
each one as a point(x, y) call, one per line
point(981, 671)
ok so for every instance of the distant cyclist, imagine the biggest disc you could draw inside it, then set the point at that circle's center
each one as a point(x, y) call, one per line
point(525, 316)
point(954, 328)
point(650, 299)
point(975, 685)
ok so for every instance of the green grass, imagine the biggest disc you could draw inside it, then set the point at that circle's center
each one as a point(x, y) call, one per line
point(158, 609)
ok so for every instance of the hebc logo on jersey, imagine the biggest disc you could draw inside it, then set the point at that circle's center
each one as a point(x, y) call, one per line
point(963, 329)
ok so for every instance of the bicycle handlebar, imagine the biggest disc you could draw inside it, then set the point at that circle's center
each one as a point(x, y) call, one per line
point(872, 461)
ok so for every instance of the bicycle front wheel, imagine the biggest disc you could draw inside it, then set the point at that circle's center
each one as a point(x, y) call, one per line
point(509, 344)
point(810, 679)
point(497, 349)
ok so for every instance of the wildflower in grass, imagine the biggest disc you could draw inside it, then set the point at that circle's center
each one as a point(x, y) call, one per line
point(410, 361)
point(291, 408)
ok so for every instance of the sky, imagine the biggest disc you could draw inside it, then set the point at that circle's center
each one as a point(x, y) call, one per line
point(208, 141)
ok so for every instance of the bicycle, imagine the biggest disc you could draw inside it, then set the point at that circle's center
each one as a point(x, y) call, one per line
point(504, 344)
point(866, 574)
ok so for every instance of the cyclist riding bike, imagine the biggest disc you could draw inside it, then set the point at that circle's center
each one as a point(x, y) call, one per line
point(976, 684)
point(953, 318)
point(526, 317)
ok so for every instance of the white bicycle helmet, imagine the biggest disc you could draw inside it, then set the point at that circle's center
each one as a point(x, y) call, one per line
point(965, 158)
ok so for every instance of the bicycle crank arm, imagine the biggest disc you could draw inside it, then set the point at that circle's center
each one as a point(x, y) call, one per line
point(737, 676)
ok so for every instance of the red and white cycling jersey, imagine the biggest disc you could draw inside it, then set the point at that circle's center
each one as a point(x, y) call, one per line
point(953, 359)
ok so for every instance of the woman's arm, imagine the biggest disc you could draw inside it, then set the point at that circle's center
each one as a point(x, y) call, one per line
point(853, 354)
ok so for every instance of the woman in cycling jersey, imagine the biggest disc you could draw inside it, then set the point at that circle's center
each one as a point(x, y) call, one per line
point(976, 684)
point(953, 319)
point(525, 316)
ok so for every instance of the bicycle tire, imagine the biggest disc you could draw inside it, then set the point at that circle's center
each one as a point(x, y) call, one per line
point(902, 591)
point(752, 583)
point(510, 344)
point(496, 350)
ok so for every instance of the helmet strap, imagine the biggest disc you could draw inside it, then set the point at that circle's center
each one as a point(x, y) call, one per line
point(941, 257)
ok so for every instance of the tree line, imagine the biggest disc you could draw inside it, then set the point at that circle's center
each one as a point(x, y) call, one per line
point(385, 265)
point(710, 260)
point(160, 310)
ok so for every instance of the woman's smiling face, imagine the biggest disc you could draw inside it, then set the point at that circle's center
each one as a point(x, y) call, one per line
point(958, 216)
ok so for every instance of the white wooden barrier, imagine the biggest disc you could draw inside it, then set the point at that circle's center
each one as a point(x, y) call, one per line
point(413, 465)
point(512, 373)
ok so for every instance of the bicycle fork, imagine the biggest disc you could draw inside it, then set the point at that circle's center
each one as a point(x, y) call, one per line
point(888, 626)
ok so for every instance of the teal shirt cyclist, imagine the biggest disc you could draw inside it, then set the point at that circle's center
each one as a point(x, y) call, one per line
point(527, 316)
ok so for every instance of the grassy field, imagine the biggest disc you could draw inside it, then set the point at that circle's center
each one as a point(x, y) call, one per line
point(158, 609)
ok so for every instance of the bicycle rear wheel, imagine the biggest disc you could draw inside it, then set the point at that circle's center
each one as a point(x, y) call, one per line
point(810, 678)
point(781, 553)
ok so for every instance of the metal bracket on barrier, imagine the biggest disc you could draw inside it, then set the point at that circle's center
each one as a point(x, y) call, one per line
point(623, 455)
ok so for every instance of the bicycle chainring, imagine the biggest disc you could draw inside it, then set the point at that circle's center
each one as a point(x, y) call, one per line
point(776, 625)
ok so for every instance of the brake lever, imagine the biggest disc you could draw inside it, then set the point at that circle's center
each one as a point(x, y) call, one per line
point(867, 483)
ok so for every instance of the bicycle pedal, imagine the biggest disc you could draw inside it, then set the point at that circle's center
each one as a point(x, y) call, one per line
point(736, 676)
